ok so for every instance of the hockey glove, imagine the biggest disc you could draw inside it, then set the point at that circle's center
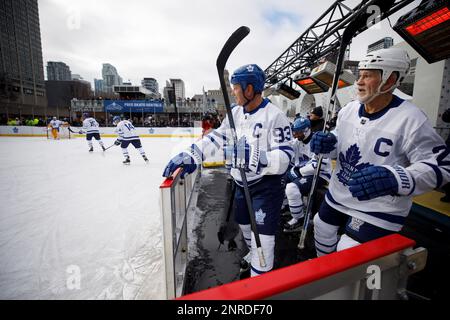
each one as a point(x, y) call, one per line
point(251, 158)
point(117, 142)
point(293, 174)
point(323, 142)
point(183, 160)
point(378, 181)
point(80, 132)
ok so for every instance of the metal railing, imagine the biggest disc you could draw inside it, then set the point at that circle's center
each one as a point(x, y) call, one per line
point(176, 199)
point(376, 270)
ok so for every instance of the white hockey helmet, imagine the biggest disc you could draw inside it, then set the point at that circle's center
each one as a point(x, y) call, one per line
point(388, 61)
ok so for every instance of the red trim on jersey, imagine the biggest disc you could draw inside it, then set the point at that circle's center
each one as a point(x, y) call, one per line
point(285, 279)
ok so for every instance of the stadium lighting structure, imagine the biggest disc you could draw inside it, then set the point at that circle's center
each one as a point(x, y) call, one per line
point(287, 90)
point(325, 73)
point(427, 29)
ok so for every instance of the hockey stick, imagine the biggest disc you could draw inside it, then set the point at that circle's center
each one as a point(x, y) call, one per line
point(222, 59)
point(361, 18)
point(226, 231)
point(77, 132)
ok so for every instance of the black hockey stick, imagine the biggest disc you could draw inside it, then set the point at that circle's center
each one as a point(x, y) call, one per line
point(227, 230)
point(361, 18)
point(222, 59)
point(70, 129)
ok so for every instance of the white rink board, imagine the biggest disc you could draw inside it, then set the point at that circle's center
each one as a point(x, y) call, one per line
point(75, 225)
point(146, 132)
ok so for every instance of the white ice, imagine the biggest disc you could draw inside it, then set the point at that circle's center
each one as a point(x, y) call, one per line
point(79, 225)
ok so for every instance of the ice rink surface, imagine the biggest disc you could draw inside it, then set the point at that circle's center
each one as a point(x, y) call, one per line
point(80, 225)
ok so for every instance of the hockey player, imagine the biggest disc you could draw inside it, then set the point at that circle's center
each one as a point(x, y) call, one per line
point(54, 125)
point(300, 176)
point(127, 134)
point(91, 128)
point(387, 152)
point(263, 150)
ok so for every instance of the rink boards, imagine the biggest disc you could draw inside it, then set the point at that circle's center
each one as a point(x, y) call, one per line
point(147, 132)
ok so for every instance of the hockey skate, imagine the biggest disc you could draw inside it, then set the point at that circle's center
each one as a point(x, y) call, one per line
point(91, 149)
point(127, 161)
point(245, 266)
point(145, 158)
point(293, 225)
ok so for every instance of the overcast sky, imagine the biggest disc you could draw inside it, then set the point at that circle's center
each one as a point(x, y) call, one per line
point(179, 39)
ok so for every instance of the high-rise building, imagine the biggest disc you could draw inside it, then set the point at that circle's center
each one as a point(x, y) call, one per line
point(58, 71)
point(151, 84)
point(111, 78)
point(179, 88)
point(381, 44)
point(22, 85)
point(99, 87)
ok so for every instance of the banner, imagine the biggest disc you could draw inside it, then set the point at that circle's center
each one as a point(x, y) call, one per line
point(150, 106)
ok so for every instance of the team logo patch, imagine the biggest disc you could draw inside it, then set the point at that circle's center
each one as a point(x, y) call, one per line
point(349, 164)
point(260, 216)
point(355, 224)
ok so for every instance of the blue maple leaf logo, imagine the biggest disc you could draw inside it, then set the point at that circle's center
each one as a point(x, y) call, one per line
point(349, 164)
point(15, 130)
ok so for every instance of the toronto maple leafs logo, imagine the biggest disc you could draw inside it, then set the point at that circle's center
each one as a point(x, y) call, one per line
point(355, 224)
point(250, 68)
point(349, 164)
point(260, 216)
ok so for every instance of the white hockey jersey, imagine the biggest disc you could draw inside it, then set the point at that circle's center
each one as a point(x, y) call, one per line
point(399, 135)
point(126, 131)
point(307, 160)
point(90, 125)
point(266, 127)
point(55, 124)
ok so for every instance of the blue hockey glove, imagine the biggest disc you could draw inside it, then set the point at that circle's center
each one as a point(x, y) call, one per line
point(117, 142)
point(323, 142)
point(183, 160)
point(293, 174)
point(378, 181)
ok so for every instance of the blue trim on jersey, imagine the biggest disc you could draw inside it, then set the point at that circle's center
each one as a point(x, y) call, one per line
point(325, 252)
point(221, 136)
point(261, 106)
point(396, 101)
point(438, 173)
point(130, 138)
point(216, 144)
point(327, 245)
point(197, 150)
point(379, 215)
point(285, 149)
point(290, 206)
point(258, 271)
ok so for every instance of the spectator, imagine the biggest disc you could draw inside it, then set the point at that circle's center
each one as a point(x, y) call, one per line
point(315, 117)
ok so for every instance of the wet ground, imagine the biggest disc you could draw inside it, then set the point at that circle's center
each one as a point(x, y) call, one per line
point(216, 264)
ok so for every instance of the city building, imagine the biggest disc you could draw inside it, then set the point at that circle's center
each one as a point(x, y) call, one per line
point(22, 86)
point(111, 78)
point(381, 44)
point(58, 71)
point(99, 87)
point(352, 65)
point(60, 94)
point(151, 84)
point(179, 88)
